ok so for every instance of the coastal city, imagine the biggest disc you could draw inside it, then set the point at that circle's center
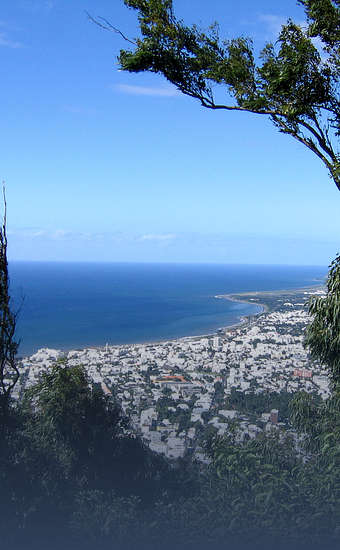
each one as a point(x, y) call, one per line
point(176, 392)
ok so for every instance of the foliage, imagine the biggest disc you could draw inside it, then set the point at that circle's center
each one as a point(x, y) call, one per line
point(324, 21)
point(268, 488)
point(251, 403)
point(66, 420)
point(218, 393)
point(9, 372)
point(258, 494)
point(103, 515)
point(323, 334)
point(293, 83)
point(163, 404)
point(320, 426)
point(71, 468)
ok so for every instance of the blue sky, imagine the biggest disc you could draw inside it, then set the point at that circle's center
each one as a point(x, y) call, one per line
point(101, 165)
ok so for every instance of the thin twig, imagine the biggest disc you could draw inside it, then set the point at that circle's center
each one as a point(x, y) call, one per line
point(107, 26)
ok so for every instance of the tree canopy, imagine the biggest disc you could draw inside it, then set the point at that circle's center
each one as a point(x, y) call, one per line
point(323, 335)
point(294, 81)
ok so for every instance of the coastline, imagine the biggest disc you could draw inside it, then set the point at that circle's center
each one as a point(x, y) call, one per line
point(252, 296)
point(239, 298)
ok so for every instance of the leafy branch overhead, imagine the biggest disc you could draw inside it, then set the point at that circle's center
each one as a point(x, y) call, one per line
point(293, 81)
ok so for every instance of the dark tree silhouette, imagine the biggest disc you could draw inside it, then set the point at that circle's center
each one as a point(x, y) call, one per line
point(9, 371)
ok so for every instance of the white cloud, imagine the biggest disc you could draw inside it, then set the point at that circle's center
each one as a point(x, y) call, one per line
point(79, 110)
point(147, 90)
point(6, 42)
point(39, 5)
point(61, 234)
point(38, 233)
point(273, 22)
point(158, 237)
point(33, 233)
point(28, 232)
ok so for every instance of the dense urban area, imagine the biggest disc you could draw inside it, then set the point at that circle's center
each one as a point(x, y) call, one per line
point(175, 392)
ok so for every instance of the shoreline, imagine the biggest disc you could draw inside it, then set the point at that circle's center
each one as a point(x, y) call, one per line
point(234, 297)
point(238, 297)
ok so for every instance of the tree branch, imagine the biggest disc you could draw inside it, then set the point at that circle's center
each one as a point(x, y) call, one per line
point(107, 26)
point(277, 116)
point(210, 104)
point(308, 143)
point(320, 138)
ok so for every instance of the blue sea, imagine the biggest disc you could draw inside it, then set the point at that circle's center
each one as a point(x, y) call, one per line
point(74, 305)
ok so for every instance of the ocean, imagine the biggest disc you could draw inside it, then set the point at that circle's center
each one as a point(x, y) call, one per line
point(74, 305)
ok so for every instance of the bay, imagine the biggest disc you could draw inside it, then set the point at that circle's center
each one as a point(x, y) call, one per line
point(74, 305)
